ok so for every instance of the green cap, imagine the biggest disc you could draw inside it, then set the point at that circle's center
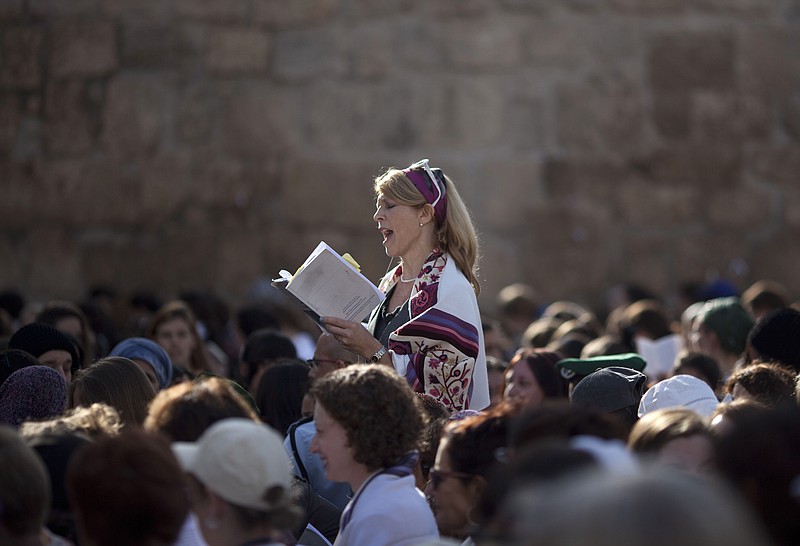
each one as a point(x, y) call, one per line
point(577, 368)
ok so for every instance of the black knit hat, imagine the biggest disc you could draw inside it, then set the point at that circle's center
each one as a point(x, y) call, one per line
point(37, 338)
point(776, 337)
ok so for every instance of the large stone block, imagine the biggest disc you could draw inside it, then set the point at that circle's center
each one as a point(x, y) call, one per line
point(743, 208)
point(603, 114)
point(83, 48)
point(262, 121)
point(777, 166)
point(744, 8)
point(280, 14)
point(504, 178)
point(153, 44)
point(702, 165)
point(368, 8)
point(20, 190)
point(682, 61)
point(13, 272)
point(11, 10)
point(197, 113)
point(582, 180)
point(335, 193)
point(778, 259)
point(791, 212)
point(460, 8)
point(9, 122)
point(237, 50)
point(21, 57)
point(214, 10)
point(370, 50)
point(474, 45)
point(649, 205)
point(648, 260)
point(50, 8)
point(577, 243)
point(730, 117)
point(80, 193)
point(701, 255)
point(478, 108)
point(155, 10)
point(53, 269)
point(134, 115)
point(68, 127)
point(166, 185)
point(301, 55)
point(651, 7)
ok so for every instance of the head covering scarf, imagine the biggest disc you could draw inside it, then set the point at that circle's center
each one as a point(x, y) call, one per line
point(149, 351)
point(430, 183)
point(35, 392)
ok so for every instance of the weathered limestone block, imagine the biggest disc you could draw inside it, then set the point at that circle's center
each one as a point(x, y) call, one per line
point(262, 121)
point(19, 194)
point(739, 207)
point(474, 45)
point(154, 44)
point(49, 8)
point(590, 181)
point(791, 211)
point(78, 193)
point(83, 48)
point(68, 126)
point(237, 50)
point(54, 263)
point(229, 10)
point(369, 8)
point(730, 117)
point(478, 111)
point(301, 55)
point(778, 259)
point(777, 166)
point(520, 179)
point(648, 260)
point(21, 54)
point(566, 250)
point(9, 122)
point(133, 117)
point(646, 204)
point(11, 10)
point(166, 185)
point(700, 165)
point(280, 14)
point(347, 187)
point(370, 49)
point(651, 7)
point(706, 253)
point(603, 114)
point(460, 8)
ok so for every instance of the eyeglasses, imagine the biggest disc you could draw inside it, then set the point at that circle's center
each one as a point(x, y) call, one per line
point(436, 476)
point(423, 164)
point(314, 362)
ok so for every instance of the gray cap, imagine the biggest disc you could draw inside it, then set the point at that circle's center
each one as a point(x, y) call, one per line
point(610, 389)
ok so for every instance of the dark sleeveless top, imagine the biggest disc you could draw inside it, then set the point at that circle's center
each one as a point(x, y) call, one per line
point(383, 322)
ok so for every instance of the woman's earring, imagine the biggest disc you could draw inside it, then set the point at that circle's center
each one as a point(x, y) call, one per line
point(421, 224)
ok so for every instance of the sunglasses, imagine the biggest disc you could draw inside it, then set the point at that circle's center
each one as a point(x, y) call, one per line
point(314, 362)
point(424, 164)
point(437, 476)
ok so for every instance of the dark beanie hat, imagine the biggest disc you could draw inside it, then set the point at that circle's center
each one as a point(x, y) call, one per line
point(37, 338)
point(610, 389)
point(776, 337)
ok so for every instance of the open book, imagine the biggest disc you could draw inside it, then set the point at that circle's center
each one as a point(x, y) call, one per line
point(328, 285)
point(659, 354)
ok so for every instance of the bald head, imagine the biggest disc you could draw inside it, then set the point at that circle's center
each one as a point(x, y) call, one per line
point(330, 356)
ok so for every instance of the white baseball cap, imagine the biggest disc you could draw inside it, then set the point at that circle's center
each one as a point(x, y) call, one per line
point(680, 391)
point(238, 459)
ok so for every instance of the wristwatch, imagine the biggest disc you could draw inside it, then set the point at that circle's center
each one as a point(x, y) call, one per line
point(374, 359)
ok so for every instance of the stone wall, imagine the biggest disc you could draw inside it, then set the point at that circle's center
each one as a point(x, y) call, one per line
point(173, 144)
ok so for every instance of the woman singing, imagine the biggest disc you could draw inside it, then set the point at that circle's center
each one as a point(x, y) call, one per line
point(428, 327)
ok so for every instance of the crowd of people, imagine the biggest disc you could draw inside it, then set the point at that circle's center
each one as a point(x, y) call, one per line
point(132, 421)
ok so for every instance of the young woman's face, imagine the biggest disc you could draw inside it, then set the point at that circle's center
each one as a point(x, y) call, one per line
point(450, 495)
point(332, 446)
point(176, 338)
point(522, 385)
point(399, 225)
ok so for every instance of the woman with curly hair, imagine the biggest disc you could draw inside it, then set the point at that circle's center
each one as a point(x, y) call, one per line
point(368, 424)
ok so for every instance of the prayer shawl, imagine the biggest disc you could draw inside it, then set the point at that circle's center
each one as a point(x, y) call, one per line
point(440, 349)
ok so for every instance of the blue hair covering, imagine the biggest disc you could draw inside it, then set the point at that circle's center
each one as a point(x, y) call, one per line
point(149, 351)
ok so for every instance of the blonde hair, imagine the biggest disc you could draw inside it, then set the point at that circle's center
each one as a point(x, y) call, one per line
point(455, 236)
point(96, 420)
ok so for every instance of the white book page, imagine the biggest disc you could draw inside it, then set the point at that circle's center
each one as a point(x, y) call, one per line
point(330, 286)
